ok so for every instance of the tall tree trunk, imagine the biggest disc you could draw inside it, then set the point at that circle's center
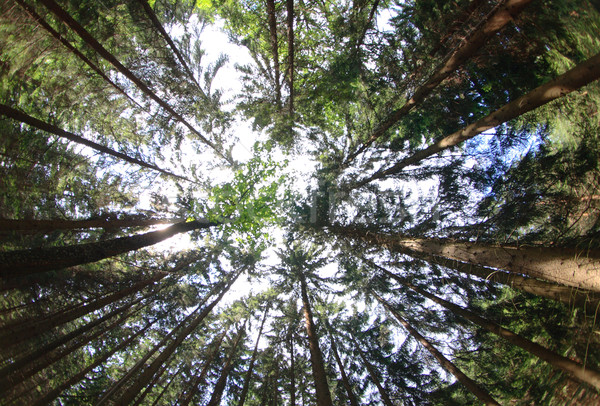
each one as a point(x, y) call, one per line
point(367, 25)
point(345, 380)
point(486, 30)
point(289, 5)
point(185, 399)
point(37, 260)
point(219, 388)
point(24, 331)
point(31, 11)
point(63, 16)
point(272, 22)
point(164, 389)
point(47, 398)
point(581, 75)
point(149, 372)
point(471, 385)
point(292, 374)
point(248, 379)
point(52, 129)
point(567, 266)
point(574, 369)
point(385, 398)
point(151, 385)
point(316, 357)
point(100, 222)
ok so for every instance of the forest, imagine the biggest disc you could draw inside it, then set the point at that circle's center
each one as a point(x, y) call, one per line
point(299, 202)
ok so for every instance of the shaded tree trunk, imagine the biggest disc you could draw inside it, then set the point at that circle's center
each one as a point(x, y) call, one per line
point(100, 222)
point(215, 399)
point(289, 5)
point(581, 75)
point(248, 379)
point(316, 357)
point(471, 385)
point(486, 30)
point(345, 380)
point(37, 260)
point(52, 129)
point(164, 389)
point(272, 22)
point(382, 392)
point(292, 374)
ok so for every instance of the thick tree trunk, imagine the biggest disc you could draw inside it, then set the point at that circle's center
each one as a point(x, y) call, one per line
point(37, 260)
point(62, 15)
point(473, 387)
point(52, 129)
point(24, 331)
point(496, 21)
point(100, 222)
point(272, 22)
point(316, 357)
point(31, 11)
point(581, 75)
point(345, 380)
point(574, 369)
point(248, 379)
point(219, 388)
point(382, 392)
point(289, 5)
point(567, 266)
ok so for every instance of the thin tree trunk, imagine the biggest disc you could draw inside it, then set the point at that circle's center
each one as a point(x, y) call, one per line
point(24, 331)
point(248, 379)
point(31, 11)
point(345, 380)
point(272, 22)
point(487, 29)
point(164, 389)
point(382, 392)
point(567, 266)
point(363, 33)
point(292, 374)
point(50, 128)
point(219, 388)
point(150, 385)
point(47, 398)
point(316, 357)
point(572, 368)
point(100, 222)
point(149, 372)
point(289, 5)
point(37, 260)
point(96, 46)
point(471, 385)
point(185, 399)
point(581, 75)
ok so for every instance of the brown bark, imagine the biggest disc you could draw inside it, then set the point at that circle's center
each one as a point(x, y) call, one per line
point(382, 392)
point(272, 22)
point(219, 388)
point(581, 75)
point(164, 389)
point(575, 369)
point(316, 357)
point(37, 260)
point(31, 11)
point(345, 381)
point(471, 385)
point(292, 374)
point(246, 386)
point(502, 16)
point(96, 46)
point(52, 129)
point(60, 224)
point(289, 5)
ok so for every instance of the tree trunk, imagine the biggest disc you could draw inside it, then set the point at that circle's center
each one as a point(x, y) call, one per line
point(31, 11)
point(219, 388)
point(316, 357)
point(272, 22)
point(164, 389)
point(248, 379)
point(52, 129)
point(63, 16)
point(151, 385)
point(345, 381)
point(292, 374)
point(567, 266)
point(475, 389)
point(100, 222)
point(575, 369)
point(581, 75)
point(185, 399)
point(37, 260)
point(487, 29)
point(24, 331)
point(382, 392)
point(289, 5)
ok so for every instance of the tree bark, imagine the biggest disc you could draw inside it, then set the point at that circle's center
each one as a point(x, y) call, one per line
point(289, 5)
point(496, 21)
point(52, 129)
point(164, 389)
point(316, 357)
point(292, 374)
point(37, 260)
point(100, 222)
point(345, 381)
point(382, 392)
point(272, 22)
point(248, 379)
point(219, 388)
point(63, 16)
point(471, 385)
point(581, 75)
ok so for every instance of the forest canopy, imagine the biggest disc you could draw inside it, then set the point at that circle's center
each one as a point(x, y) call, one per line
point(299, 202)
